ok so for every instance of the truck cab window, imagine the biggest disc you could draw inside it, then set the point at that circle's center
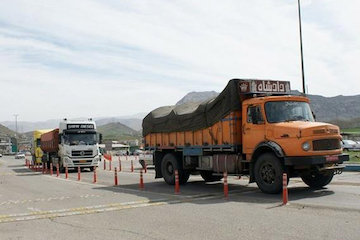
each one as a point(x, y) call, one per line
point(254, 115)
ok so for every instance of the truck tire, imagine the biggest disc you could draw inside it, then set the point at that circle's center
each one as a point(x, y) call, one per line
point(209, 177)
point(317, 180)
point(268, 172)
point(168, 165)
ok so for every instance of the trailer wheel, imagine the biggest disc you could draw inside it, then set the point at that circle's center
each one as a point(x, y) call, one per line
point(268, 173)
point(209, 177)
point(317, 180)
point(168, 165)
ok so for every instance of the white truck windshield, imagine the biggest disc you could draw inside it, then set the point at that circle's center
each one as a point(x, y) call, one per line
point(80, 138)
point(285, 111)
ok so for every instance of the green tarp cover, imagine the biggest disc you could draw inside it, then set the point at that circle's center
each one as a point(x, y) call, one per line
point(194, 116)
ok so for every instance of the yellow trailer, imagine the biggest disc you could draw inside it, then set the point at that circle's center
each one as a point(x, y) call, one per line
point(37, 153)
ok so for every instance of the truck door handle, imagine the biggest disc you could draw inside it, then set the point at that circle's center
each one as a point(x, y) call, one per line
point(245, 129)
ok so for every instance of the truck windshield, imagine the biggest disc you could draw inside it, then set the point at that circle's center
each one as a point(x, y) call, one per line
point(80, 138)
point(286, 111)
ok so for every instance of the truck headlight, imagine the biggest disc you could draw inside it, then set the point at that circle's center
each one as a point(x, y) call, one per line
point(306, 146)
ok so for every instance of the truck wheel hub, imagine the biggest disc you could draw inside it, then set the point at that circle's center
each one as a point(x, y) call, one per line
point(268, 174)
point(170, 168)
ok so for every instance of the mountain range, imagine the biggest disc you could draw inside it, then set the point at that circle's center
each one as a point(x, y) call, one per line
point(118, 131)
point(341, 110)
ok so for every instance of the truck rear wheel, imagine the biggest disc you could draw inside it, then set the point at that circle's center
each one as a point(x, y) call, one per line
point(168, 166)
point(209, 177)
point(268, 173)
point(317, 180)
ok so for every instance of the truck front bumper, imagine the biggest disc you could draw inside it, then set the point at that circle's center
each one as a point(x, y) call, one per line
point(86, 162)
point(316, 160)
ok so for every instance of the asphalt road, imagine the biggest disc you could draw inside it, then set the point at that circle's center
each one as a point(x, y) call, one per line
point(38, 206)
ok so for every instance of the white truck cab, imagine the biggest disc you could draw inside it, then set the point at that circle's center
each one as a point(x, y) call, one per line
point(78, 144)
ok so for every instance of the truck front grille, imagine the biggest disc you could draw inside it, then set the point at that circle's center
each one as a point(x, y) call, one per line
point(82, 153)
point(326, 144)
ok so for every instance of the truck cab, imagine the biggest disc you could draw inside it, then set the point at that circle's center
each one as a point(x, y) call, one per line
point(78, 144)
point(283, 128)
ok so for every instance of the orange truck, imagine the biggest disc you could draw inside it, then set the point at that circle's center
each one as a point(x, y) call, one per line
point(254, 128)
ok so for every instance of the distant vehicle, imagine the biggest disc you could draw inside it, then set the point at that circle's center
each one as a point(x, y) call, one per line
point(0, 155)
point(20, 155)
point(121, 153)
point(137, 152)
point(349, 145)
point(146, 158)
point(37, 153)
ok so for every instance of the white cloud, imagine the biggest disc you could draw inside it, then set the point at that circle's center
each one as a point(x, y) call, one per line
point(121, 57)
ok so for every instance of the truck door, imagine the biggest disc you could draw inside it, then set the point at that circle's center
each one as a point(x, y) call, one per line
point(253, 127)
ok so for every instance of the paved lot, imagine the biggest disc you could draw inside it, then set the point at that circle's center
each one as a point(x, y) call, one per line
point(37, 206)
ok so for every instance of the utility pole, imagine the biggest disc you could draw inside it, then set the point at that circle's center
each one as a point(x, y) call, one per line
point(301, 50)
point(16, 128)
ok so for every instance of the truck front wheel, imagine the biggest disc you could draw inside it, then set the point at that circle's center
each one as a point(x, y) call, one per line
point(317, 180)
point(168, 166)
point(268, 173)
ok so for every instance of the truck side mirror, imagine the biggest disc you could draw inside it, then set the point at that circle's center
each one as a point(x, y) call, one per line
point(99, 138)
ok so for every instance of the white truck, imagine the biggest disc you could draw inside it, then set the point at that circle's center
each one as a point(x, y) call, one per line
point(74, 144)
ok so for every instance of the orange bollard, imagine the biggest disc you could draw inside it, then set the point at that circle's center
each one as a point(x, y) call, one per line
point(115, 177)
point(79, 173)
point(51, 169)
point(66, 172)
point(109, 165)
point(104, 164)
point(177, 185)
point(132, 166)
point(119, 165)
point(25, 162)
point(141, 186)
point(285, 190)
point(226, 187)
point(94, 175)
point(57, 170)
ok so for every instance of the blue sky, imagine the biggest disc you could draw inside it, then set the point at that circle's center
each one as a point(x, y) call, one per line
point(111, 58)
